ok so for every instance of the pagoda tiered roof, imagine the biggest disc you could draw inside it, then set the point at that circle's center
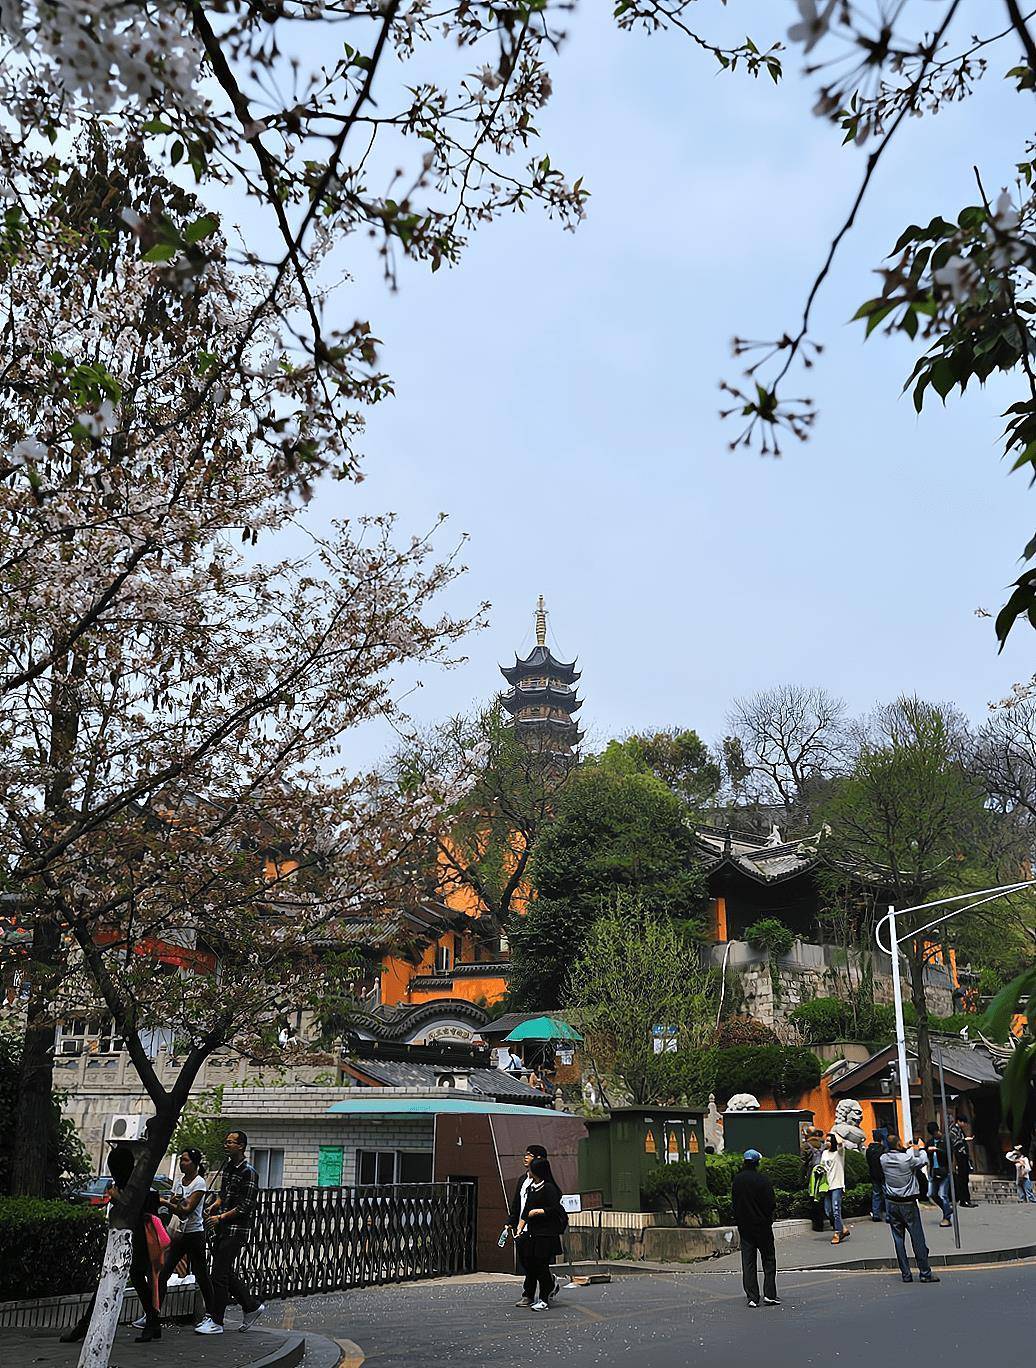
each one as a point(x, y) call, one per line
point(537, 664)
point(521, 698)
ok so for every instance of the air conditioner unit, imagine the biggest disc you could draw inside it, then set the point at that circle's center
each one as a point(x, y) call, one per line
point(126, 1127)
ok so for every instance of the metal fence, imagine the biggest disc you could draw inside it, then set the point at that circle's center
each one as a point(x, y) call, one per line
point(308, 1240)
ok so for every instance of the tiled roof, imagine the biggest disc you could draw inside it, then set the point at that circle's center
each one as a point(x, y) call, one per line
point(756, 856)
point(483, 1082)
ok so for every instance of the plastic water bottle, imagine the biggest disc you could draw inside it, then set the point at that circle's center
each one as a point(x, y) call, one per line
point(503, 1237)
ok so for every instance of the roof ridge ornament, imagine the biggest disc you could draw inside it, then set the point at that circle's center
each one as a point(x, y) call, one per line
point(541, 623)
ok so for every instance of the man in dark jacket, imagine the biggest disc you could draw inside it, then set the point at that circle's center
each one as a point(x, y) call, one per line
point(754, 1208)
point(875, 1150)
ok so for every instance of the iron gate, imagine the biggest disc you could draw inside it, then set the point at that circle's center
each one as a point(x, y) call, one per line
point(308, 1240)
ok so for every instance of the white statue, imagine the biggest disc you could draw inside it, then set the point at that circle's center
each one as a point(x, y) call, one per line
point(848, 1115)
point(742, 1102)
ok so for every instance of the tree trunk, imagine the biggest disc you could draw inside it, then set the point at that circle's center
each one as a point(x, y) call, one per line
point(34, 1133)
point(100, 1336)
point(104, 1322)
point(924, 1044)
point(36, 1083)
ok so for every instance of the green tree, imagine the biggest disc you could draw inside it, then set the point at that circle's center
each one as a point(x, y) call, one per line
point(637, 971)
point(904, 820)
point(202, 1127)
point(678, 757)
point(614, 827)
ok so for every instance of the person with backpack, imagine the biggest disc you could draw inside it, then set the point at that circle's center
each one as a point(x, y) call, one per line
point(810, 1154)
point(541, 1225)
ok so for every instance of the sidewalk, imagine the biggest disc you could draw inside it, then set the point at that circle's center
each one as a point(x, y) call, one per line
point(179, 1347)
point(988, 1234)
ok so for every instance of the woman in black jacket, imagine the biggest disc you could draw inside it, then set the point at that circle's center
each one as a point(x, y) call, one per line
point(539, 1236)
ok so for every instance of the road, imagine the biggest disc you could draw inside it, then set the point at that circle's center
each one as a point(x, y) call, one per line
point(854, 1320)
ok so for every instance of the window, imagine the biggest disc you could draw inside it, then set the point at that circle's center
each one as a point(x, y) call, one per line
point(442, 959)
point(415, 1166)
point(381, 1167)
point(269, 1164)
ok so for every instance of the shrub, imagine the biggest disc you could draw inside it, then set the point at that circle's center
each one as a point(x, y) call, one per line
point(786, 1070)
point(676, 1188)
point(770, 935)
point(721, 1212)
point(743, 1030)
point(856, 1170)
point(856, 1201)
point(784, 1171)
point(825, 1020)
point(48, 1248)
point(794, 1206)
point(719, 1172)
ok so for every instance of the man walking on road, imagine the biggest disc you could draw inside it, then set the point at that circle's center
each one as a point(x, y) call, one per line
point(232, 1217)
point(900, 1168)
point(754, 1207)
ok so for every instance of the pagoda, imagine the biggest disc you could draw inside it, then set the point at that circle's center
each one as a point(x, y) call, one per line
point(541, 699)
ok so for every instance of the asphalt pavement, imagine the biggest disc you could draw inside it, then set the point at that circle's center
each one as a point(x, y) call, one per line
point(667, 1320)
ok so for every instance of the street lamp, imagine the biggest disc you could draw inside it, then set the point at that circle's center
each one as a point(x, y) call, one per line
point(980, 896)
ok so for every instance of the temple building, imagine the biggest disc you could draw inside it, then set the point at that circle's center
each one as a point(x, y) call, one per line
point(464, 956)
point(542, 699)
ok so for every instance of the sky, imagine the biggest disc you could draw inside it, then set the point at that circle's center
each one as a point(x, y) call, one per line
point(557, 395)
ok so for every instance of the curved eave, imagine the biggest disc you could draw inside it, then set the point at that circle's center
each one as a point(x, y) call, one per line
point(539, 661)
point(727, 862)
point(519, 699)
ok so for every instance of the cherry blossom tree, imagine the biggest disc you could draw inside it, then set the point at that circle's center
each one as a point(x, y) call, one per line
point(145, 659)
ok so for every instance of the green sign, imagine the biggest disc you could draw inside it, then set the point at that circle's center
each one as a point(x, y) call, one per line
point(329, 1166)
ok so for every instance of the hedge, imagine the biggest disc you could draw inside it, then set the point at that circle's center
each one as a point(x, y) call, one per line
point(786, 1070)
point(785, 1172)
point(48, 1248)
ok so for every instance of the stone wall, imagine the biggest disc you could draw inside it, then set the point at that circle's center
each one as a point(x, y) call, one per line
point(808, 973)
point(96, 1088)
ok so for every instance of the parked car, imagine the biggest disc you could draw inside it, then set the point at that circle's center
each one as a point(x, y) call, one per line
point(95, 1192)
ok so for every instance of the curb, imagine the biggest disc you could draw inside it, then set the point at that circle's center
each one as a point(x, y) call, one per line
point(287, 1355)
point(979, 1258)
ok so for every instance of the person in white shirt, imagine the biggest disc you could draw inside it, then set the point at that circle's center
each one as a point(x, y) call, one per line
point(188, 1202)
point(514, 1217)
point(1022, 1172)
point(832, 1161)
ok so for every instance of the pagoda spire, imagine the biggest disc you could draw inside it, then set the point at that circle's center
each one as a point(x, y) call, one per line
point(541, 623)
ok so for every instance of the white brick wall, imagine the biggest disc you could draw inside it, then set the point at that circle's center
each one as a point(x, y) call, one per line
point(301, 1137)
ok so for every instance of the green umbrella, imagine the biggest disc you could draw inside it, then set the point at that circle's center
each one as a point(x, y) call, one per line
point(543, 1028)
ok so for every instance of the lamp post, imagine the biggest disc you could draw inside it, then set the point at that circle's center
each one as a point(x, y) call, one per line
point(980, 896)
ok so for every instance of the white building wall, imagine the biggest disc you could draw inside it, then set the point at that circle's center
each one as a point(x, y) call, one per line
point(301, 1136)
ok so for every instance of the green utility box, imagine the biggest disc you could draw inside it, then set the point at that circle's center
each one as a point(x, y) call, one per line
point(770, 1132)
point(623, 1147)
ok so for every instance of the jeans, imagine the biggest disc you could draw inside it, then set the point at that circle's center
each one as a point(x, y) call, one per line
point(758, 1244)
point(833, 1207)
point(878, 1212)
point(941, 1193)
point(904, 1216)
point(1025, 1190)
point(193, 1245)
point(225, 1282)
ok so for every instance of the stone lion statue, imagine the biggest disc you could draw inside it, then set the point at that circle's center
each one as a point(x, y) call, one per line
point(848, 1115)
point(742, 1102)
